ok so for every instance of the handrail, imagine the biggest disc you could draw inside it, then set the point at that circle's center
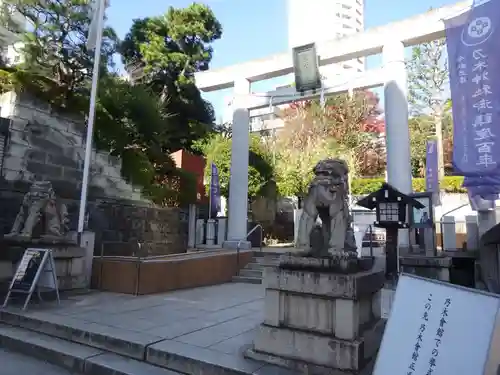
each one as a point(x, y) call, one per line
point(456, 208)
point(261, 233)
point(242, 240)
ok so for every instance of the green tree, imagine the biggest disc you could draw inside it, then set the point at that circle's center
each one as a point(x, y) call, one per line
point(295, 163)
point(422, 128)
point(303, 141)
point(428, 90)
point(55, 65)
point(169, 50)
point(355, 123)
point(346, 127)
point(132, 121)
point(217, 149)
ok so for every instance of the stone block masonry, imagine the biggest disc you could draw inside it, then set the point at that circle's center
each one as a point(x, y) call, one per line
point(45, 145)
point(323, 323)
point(122, 228)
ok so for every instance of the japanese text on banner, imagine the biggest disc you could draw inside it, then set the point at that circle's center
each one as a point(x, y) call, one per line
point(476, 107)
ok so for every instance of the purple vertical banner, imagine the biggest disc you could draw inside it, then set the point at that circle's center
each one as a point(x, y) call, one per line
point(473, 41)
point(214, 191)
point(431, 167)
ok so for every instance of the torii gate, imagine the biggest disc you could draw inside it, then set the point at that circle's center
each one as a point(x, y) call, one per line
point(390, 40)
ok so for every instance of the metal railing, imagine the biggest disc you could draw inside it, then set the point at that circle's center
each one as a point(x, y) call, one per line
point(238, 246)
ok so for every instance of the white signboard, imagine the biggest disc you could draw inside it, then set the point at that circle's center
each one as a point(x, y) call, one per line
point(438, 328)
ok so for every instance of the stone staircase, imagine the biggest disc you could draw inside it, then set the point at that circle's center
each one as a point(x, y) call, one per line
point(253, 272)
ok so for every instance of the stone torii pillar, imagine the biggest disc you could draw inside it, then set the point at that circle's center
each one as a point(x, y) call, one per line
point(238, 183)
point(397, 133)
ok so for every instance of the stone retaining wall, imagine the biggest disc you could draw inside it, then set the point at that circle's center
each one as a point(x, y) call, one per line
point(40, 144)
point(122, 228)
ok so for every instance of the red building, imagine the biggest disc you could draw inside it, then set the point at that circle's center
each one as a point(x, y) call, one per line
point(196, 165)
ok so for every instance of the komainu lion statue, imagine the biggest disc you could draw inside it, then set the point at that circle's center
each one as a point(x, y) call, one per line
point(40, 206)
point(327, 199)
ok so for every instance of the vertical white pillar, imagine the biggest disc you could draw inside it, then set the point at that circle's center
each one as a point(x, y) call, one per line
point(486, 219)
point(238, 183)
point(472, 229)
point(297, 213)
point(192, 226)
point(397, 134)
point(449, 234)
point(87, 241)
point(221, 230)
point(200, 233)
point(210, 232)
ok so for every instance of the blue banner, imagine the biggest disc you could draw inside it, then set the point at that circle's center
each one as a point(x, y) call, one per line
point(473, 41)
point(214, 192)
point(431, 167)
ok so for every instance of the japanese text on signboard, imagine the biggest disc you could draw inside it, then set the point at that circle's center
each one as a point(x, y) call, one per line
point(420, 336)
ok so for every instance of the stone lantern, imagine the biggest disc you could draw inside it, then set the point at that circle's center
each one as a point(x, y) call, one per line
point(392, 208)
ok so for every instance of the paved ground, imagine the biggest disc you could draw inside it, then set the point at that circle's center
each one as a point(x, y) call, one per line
point(213, 324)
point(221, 319)
point(17, 364)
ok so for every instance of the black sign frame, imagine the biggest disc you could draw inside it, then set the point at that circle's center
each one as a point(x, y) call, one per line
point(37, 267)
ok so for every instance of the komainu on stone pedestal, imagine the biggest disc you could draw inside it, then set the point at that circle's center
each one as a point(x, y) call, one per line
point(42, 222)
point(327, 200)
point(322, 305)
point(40, 210)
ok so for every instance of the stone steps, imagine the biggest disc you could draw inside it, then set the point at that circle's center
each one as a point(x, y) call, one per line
point(247, 280)
point(73, 357)
point(249, 272)
point(253, 272)
point(82, 348)
point(254, 266)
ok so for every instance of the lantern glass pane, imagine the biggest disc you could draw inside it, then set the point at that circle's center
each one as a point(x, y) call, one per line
point(389, 212)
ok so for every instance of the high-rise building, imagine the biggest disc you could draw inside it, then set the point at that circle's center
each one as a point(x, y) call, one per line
point(321, 20)
point(315, 21)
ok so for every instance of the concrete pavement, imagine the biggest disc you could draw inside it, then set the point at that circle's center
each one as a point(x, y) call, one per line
point(195, 331)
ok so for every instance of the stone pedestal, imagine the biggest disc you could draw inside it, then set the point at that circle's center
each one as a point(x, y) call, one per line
point(69, 260)
point(320, 322)
point(433, 267)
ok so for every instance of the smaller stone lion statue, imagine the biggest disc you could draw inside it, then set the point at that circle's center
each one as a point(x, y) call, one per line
point(327, 199)
point(40, 206)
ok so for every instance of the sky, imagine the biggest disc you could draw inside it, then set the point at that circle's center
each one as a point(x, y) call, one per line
point(254, 29)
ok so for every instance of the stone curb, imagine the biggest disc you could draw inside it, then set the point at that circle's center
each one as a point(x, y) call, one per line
point(247, 279)
point(73, 357)
point(248, 272)
point(75, 334)
point(104, 350)
point(199, 361)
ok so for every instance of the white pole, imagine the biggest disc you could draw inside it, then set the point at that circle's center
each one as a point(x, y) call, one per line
point(210, 193)
point(90, 126)
point(238, 184)
point(396, 125)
